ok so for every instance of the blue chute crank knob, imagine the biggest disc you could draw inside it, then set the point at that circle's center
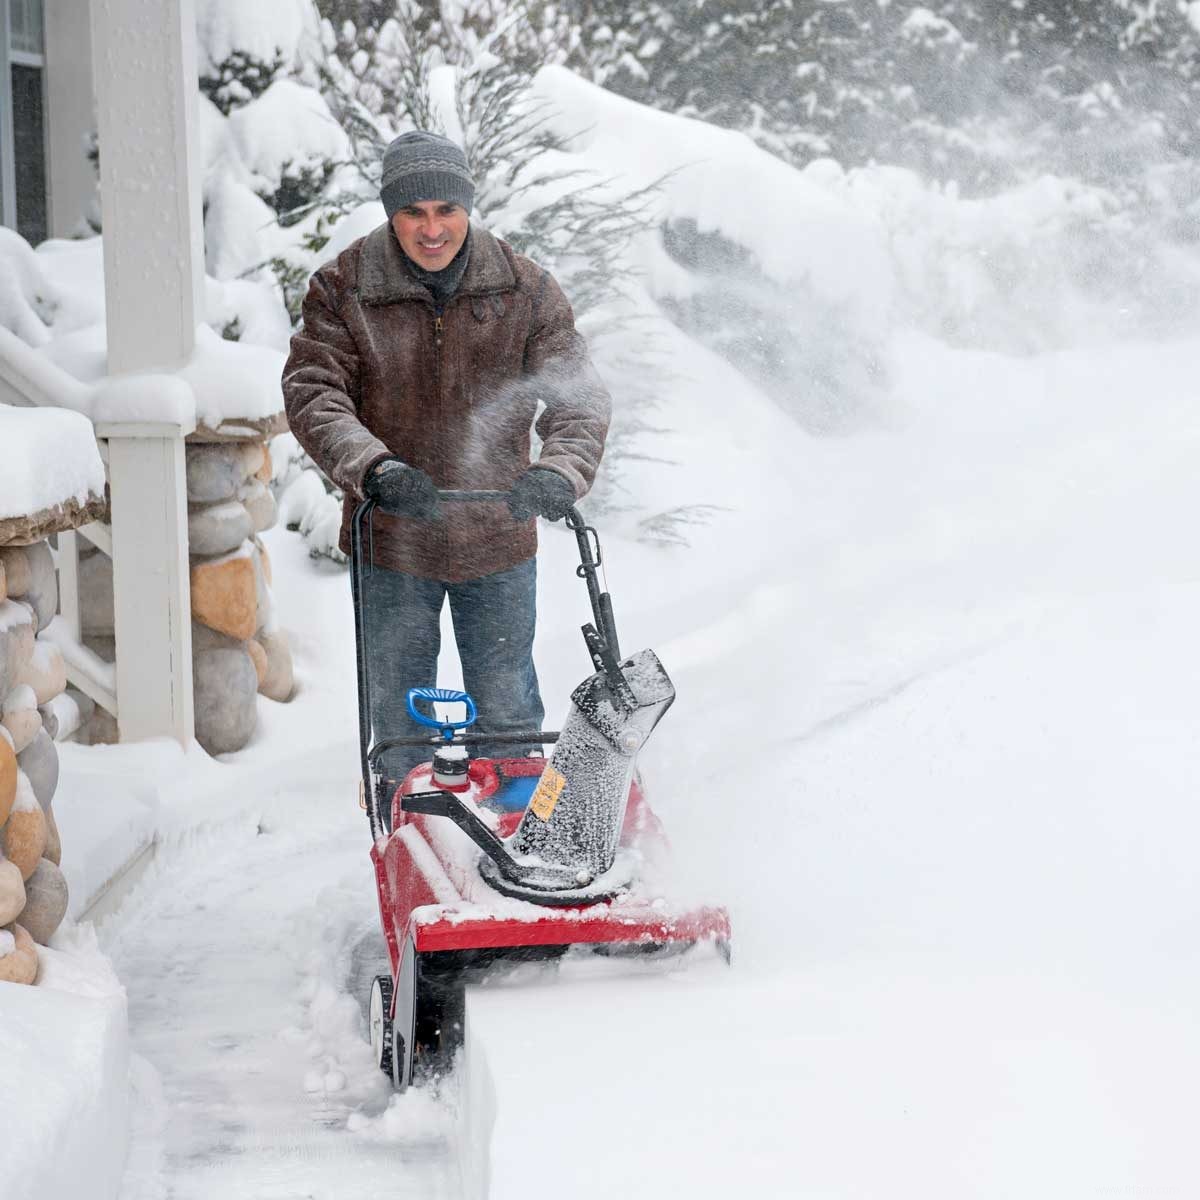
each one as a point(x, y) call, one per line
point(440, 696)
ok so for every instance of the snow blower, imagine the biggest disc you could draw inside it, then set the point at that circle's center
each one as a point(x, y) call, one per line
point(482, 862)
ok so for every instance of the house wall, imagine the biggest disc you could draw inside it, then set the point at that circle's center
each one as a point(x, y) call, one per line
point(70, 117)
point(68, 112)
point(8, 190)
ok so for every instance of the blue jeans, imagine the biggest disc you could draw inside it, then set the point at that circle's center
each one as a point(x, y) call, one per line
point(494, 619)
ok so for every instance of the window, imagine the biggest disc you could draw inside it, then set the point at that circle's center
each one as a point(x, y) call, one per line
point(29, 153)
point(22, 119)
point(25, 24)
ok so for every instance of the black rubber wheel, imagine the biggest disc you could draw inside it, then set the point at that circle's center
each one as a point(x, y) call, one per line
point(404, 1018)
point(379, 1022)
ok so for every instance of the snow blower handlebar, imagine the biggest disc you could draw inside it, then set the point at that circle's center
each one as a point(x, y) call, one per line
point(601, 638)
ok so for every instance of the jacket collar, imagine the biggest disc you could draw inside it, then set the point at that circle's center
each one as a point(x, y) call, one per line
point(383, 277)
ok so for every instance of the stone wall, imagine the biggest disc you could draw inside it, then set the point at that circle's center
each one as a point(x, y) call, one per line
point(37, 709)
point(237, 650)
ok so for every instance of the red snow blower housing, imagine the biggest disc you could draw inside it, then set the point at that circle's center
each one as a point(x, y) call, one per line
point(486, 861)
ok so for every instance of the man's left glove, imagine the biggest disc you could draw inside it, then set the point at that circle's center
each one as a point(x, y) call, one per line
point(542, 491)
point(403, 490)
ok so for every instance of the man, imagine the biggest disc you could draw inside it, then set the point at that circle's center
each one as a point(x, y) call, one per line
point(425, 350)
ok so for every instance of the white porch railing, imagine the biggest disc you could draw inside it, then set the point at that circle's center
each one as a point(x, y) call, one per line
point(149, 687)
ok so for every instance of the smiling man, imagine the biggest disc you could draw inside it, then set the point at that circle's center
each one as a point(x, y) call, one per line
point(426, 349)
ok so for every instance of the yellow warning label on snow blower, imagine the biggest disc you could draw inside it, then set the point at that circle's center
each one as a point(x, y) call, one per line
point(547, 792)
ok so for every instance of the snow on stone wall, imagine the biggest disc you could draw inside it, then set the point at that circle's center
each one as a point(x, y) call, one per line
point(49, 461)
point(36, 711)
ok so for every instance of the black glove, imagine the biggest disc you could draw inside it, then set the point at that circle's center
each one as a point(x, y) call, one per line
point(542, 491)
point(403, 490)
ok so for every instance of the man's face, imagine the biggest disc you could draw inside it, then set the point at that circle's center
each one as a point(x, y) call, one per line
point(431, 232)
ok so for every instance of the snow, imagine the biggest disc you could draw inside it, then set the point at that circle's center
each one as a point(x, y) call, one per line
point(235, 940)
point(218, 154)
point(79, 656)
point(966, 928)
point(232, 379)
point(82, 355)
point(222, 380)
point(993, 1086)
point(960, 910)
point(964, 894)
point(443, 100)
point(74, 270)
point(261, 319)
point(21, 698)
point(26, 305)
point(934, 747)
point(148, 397)
point(65, 711)
point(997, 272)
point(107, 806)
point(261, 30)
point(64, 1087)
point(357, 223)
point(923, 25)
point(12, 614)
point(288, 129)
point(721, 180)
point(305, 505)
point(47, 457)
point(25, 800)
point(54, 341)
point(35, 379)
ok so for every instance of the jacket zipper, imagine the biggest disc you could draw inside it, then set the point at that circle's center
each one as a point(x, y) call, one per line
point(437, 353)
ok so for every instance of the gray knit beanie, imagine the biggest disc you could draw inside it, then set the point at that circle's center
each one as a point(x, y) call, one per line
point(421, 166)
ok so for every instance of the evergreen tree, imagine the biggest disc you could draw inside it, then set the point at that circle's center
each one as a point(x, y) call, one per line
point(979, 93)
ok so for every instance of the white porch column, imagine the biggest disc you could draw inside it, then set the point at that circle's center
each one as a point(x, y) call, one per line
point(144, 64)
point(151, 583)
point(144, 61)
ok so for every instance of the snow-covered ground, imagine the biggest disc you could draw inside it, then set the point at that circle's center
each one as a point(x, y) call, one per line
point(938, 754)
point(962, 891)
point(64, 1086)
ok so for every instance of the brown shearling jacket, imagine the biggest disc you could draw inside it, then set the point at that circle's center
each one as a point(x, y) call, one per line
point(375, 372)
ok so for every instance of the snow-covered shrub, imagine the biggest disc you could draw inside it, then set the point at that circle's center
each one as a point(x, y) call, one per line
point(239, 79)
point(308, 502)
point(266, 32)
point(27, 302)
point(292, 146)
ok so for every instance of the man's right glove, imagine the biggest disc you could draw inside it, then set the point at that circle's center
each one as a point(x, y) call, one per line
point(543, 492)
point(403, 490)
